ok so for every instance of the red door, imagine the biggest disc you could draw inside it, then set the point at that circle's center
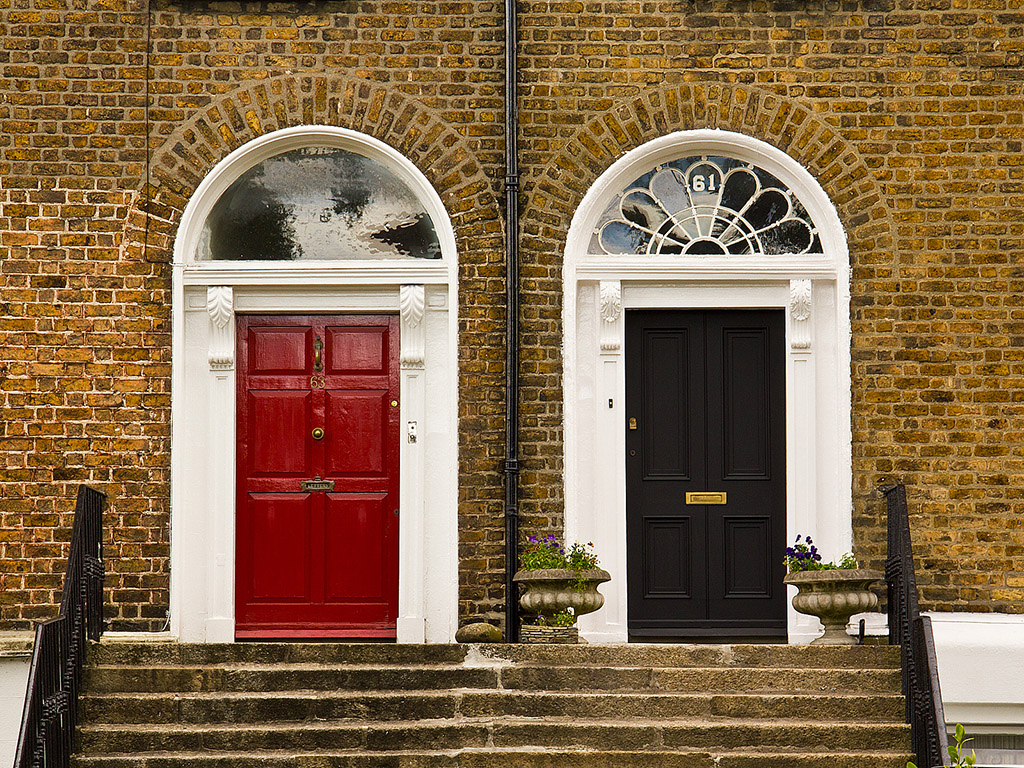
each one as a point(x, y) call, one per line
point(317, 499)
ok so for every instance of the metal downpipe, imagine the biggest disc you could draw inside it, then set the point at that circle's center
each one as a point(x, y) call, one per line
point(511, 467)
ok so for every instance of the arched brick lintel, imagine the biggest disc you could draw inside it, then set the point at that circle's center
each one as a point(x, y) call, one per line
point(186, 156)
point(555, 192)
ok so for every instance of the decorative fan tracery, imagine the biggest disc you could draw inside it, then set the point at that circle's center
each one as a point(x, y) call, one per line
point(706, 206)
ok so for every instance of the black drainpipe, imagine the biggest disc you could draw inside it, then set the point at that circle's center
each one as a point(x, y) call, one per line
point(511, 325)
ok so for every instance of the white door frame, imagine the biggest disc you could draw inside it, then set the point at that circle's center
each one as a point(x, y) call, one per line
point(812, 288)
point(207, 296)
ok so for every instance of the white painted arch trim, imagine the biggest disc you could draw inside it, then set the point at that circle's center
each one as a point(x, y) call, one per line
point(818, 427)
point(422, 293)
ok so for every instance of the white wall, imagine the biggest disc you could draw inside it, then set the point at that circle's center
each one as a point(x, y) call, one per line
point(15, 655)
point(981, 670)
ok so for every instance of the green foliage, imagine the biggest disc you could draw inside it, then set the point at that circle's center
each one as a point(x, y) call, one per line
point(956, 750)
point(564, 618)
point(804, 556)
point(543, 553)
point(549, 553)
point(848, 561)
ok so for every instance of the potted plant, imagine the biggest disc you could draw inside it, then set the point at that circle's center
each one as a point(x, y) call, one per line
point(831, 591)
point(559, 585)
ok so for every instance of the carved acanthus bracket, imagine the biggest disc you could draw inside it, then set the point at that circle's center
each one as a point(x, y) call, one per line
point(611, 314)
point(411, 305)
point(220, 305)
point(800, 313)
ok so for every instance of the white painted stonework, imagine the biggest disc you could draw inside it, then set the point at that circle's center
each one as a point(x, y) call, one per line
point(13, 681)
point(981, 670)
point(812, 288)
point(208, 295)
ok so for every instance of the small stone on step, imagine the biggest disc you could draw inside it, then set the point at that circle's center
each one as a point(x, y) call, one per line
point(478, 632)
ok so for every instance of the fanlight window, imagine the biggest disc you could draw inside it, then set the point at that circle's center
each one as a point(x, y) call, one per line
point(318, 203)
point(706, 206)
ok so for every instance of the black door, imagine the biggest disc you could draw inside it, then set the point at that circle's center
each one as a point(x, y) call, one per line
point(705, 473)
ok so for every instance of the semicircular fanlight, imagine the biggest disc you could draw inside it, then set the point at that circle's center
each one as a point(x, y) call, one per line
point(318, 203)
point(706, 206)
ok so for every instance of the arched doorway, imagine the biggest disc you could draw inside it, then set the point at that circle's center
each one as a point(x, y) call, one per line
point(314, 320)
point(705, 270)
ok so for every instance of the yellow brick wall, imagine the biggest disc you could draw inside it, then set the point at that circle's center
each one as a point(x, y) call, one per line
point(910, 115)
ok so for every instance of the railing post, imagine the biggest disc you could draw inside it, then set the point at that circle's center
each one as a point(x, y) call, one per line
point(55, 675)
point(913, 633)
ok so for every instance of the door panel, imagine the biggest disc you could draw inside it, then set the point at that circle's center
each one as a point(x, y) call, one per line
point(288, 415)
point(355, 521)
point(747, 556)
point(706, 390)
point(745, 403)
point(278, 534)
point(356, 444)
point(668, 441)
point(278, 350)
point(668, 545)
point(321, 562)
point(357, 350)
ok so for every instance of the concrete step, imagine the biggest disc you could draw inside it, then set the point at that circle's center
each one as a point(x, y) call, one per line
point(321, 705)
point(285, 677)
point(308, 677)
point(805, 706)
point(115, 652)
point(689, 655)
point(518, 733)
point(215, 707)
point(717, 679)
point(495, 758)
point(119, 653)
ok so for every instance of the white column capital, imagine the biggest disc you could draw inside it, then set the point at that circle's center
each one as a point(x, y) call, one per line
point(220, 305)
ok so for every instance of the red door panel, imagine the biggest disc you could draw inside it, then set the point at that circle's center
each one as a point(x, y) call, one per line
point(278, 350)
point(279, 424)
point(357, 350)
point(317, 398)
point(357, 446)
point(279, 531)
point(355, 521)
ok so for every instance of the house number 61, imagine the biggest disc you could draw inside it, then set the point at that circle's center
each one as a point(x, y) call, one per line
point(701, 183)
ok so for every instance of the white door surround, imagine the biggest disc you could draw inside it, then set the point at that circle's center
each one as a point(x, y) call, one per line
point(207, 295)
point(813, 288)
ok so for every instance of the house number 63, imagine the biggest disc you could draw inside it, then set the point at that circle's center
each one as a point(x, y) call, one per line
point(317, 382)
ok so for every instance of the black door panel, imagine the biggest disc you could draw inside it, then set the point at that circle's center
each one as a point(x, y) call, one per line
point(706, 390)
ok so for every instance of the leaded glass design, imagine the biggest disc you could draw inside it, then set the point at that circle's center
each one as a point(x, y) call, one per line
point(318, 203)
point(705, 206)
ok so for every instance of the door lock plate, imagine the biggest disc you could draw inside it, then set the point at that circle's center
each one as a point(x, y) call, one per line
point(705, 498)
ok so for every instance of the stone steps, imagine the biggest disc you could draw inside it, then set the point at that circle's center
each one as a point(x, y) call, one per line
point(105, 679)
point(385, 706)
point(500, 733)
point(319, 705)
point(120, 653)
point(496, 758)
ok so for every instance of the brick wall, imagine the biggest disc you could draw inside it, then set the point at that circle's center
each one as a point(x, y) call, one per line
point(910, 116)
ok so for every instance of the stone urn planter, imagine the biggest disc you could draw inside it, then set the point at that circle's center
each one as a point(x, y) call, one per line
point(548, 591)
point(834, 596)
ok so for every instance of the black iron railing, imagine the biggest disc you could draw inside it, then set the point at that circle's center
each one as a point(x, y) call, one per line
point(913, 633)
point(51, 703)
